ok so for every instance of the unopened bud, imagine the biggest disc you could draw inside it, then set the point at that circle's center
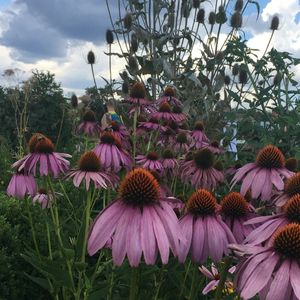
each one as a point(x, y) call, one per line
point(274, 23)
point(109, 36)
point(239, 5)
point(212, 18)
point(236, 20)
point(201, 16)
point(128, 21)
point(91, 57)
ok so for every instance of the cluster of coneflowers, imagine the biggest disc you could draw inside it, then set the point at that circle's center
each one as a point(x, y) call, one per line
point(148, 221)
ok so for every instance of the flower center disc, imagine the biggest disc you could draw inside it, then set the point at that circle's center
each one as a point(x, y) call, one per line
point(291, 164)
point(234, 205)
point(165, 107)
point(292, 209)
point(34, 140)
point(167, 154)
point(152, 156)
point(292, 185)
point(169, 92)
point(110, 139)
point(181, 138)
point(89, 116)
point(202, 202)
point(204, 158)
point(89, 162)
point(198, 126)
point(139, 187)
point(287, 241)
point(138, 91)
point(44, 145)
point(270, 157)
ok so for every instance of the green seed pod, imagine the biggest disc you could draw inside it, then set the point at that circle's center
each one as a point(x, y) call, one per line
point(221, 17)
point(236, 20)
point(134, 44)
point(243, 75)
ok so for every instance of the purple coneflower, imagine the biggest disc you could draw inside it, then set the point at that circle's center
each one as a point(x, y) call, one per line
point(43, 198)
point(267, 172)
point(291, 188)
point(120, 132)
point(89, 125)
point(169, 96)
point(200, 171)
point(269, 224)
point(150, 125)
point(205, 232)
point(89, 170)
point(137, 95)
point(273, 271)
point(21, 184)
point(167, 135)
point(139, 222)
point(182, 143)
point(112, 156)
point(169, 163)
point(42, 153)
point(178, 115)
point(164, 113)
point(215, 148)
point(215, 276)
point(236, 211)
point(199, 139)
point(150, 161)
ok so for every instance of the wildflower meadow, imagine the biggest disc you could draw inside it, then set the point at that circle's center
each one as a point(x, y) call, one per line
point(178, 179)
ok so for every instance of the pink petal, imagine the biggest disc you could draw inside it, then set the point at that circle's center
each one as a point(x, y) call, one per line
point(295, 278)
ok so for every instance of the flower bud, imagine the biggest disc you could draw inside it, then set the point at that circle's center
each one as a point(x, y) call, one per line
point(109, 36)
point(201, 16)
point(235, 69)
point(128, 21)
point(212, 18)
point(236, 20)
point(74, 101)
point(243, 75)
point(239, 5)
point(134, 44)
point(91, 57)
point(274, 23)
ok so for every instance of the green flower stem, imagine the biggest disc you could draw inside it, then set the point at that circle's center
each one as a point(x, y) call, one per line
point(134, 284)
point(87, 222)
point(224, 273)
point(195, 284)
point(32, 228)
point(134, 132)
point(184, 280)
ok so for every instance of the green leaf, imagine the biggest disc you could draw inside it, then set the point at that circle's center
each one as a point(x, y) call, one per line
point(257, 7)
point(40, 281)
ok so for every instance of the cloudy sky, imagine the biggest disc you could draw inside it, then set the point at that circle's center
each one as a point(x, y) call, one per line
point(56, 35)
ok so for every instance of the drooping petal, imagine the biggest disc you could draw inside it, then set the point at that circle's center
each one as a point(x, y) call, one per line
point(295, 278)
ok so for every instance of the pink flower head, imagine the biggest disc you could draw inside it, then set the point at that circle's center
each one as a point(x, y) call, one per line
point(89, 170)
point(164, 113)
point(120, 132)
point(169, 163)
point(21, 184)
point(146, 109)
point(200, 171)
point(267, 172)
point(214, 276)
point(273, 271)
point(215, 148)
point(182, 143)
point(169, 96)
point(89, 125)
point(138, 223)
point(150, 125)
point(178, 115)
point(112, 156)
point(199, 139)
point(42, 153)
point(269, 224)
point(205, 232)
point(43, 198)
point(150, 161)
point(236, 211)
point(167, 134)
point(291, 188)
point(138, 95)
